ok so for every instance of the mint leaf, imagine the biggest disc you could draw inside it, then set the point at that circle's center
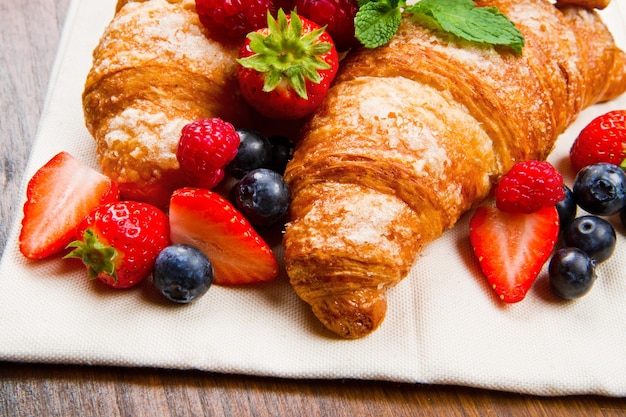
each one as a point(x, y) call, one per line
point(376, 22)
point(463, 19)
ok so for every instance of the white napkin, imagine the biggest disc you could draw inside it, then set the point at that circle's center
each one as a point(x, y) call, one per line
point(443, 326)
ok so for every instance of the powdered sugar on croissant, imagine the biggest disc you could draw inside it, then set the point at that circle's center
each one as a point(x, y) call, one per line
point(414, 133)
point(154, 70)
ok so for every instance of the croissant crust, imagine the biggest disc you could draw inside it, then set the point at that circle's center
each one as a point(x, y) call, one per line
point(154, 70)
point(414, 134)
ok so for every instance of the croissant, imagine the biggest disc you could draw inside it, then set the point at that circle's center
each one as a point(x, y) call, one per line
point(594, 4)
point(415, 133)
point(155, 69)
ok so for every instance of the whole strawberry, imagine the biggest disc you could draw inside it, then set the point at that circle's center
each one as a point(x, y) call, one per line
point(529, 186)
point(206, 146)
point(286, 68)
point(119, 242)
point(338, 17)
point(602, 140)
point(233, 18)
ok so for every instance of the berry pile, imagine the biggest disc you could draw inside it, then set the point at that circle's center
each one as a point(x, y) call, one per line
point(204, 221)
point(209, 149)
point(261, 194)
point(514, 239)
point(535, 211)
point(204, 238)
point(588, 240)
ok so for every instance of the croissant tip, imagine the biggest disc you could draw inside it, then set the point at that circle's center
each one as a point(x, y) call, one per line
point(351, 319)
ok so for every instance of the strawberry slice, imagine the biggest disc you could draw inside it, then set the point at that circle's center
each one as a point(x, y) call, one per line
point(206, 220)
point(58, 197)
point(513, 247)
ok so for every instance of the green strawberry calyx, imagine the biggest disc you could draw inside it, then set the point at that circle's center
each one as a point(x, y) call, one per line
point(97, 257)
point(287, 54)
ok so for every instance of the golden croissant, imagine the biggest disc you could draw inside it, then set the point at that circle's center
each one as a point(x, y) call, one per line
point(154, 70)
point(413, 134)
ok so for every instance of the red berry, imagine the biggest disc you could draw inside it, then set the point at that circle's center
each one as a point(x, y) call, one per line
point(512, 248)
point(206, 146)
point(602, 140)
point(209, 222)
point(286, 68)
point(233, 18)
point(58, 197)
point(336, 15)
point(119, 242)
point(529, 186)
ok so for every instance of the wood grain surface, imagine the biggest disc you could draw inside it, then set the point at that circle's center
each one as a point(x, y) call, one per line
point(29, 36)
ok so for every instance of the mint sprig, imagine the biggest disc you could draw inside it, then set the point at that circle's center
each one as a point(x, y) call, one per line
point(377, 21)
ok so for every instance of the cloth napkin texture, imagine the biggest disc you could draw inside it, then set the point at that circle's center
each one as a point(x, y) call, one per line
point(443, 326)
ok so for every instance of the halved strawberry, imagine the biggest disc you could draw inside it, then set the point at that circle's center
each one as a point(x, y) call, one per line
point(206, 220)
point(513, 247)
point(58, 197)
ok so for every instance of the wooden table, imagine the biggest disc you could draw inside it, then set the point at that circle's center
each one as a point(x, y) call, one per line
point(29, 36)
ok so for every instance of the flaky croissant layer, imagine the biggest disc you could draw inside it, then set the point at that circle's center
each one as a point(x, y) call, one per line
point(154, 70)
point(413, 134)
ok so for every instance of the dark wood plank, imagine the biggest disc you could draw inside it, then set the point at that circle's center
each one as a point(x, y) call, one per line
point(49, 390)
point(29, 36)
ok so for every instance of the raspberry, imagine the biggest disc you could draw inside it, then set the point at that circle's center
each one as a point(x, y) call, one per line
point(529, 186)
point(206, 146)
point(337, 15)
point(233, 18)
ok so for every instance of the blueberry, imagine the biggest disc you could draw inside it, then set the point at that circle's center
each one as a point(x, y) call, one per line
point(600, 189)
point(593, 235)
point(262, 196)
point(566, 208)
point(282, 151)
point(572, 273)
point(182, 273)
point(255, 151)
